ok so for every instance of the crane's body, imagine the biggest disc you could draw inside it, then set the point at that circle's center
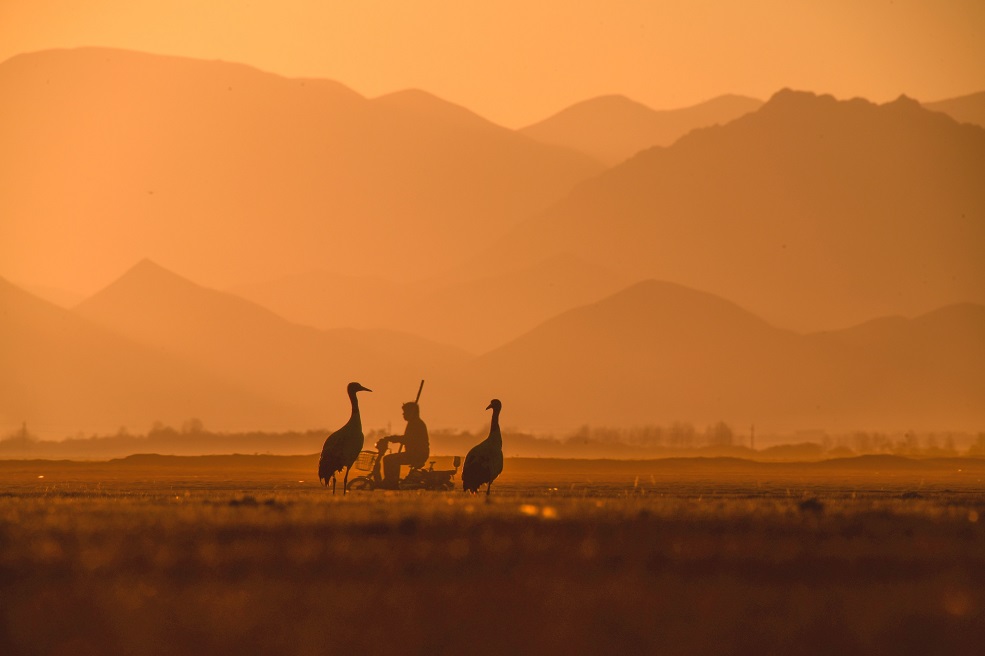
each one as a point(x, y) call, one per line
point(343, 446)
point(484, 461)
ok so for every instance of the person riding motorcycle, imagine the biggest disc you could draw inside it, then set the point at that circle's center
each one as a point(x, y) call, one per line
point(415, 442)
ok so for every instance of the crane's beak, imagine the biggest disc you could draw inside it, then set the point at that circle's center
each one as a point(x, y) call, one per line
point(489, 407)
point(363, 389)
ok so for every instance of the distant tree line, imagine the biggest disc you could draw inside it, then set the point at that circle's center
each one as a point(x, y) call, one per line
point(654, 441)
point(191, 439)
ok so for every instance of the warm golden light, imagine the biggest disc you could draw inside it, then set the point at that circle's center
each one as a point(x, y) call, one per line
point(697, 288)
point(631, 215)
point(516, 62)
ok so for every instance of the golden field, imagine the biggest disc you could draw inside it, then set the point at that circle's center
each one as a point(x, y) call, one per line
point(248, 554)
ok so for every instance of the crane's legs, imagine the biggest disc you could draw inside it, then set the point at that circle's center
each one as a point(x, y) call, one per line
point(333, 483)
point(345, 481)
point(488, 486)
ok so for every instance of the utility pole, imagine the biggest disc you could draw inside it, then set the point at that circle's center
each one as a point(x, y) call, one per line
point(752, 437)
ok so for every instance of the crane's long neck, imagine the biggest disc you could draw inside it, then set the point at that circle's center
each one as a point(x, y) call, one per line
point(354, 418)
point(494, 435)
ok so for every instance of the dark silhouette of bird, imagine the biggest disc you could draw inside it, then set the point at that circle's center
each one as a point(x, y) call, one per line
point(485, 461)
point(343, 446)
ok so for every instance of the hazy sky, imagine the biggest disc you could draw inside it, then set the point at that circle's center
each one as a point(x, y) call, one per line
point(517, 61)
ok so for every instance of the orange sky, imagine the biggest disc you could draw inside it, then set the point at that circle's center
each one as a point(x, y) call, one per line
point(516, 61)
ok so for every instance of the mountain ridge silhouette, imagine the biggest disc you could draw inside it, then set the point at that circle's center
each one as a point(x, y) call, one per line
point(810, 211)
point(238, 340)
point(659, 348)
point(654, 352)
point(65, 375)
point(969, 108)
point(447, 309)
point(231, 173)
point(613, 128)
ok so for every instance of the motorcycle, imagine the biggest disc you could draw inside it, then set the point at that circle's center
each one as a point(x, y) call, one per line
point(418, 478)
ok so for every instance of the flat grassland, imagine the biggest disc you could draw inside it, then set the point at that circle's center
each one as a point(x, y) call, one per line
point(249, 554)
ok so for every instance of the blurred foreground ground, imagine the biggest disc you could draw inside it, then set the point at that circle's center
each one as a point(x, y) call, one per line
point(249, 555)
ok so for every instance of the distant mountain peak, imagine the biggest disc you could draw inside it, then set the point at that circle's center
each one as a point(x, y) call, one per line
point(790, 100)
point(147, 270)
point(787, 98)
point(654, 301)
point(149, 265)
point(780, 195)
point(905, 103)
point(428, 104)
point(412, 95)
point(652, 288)
point(613, 128)
point(609, 102)
point(143, 280)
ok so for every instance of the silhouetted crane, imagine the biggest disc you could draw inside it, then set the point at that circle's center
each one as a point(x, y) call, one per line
point(485, 461)
point(343, 446)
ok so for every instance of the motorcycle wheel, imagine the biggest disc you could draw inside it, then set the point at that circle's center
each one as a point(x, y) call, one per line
point(361, 483)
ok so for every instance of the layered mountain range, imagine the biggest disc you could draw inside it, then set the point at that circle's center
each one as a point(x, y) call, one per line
point(154, 346)
point(233, 174)
point(614, 128)
point(323, 237)
point(813, 212)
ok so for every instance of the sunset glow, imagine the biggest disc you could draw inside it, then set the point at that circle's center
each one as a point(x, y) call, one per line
point(516, 62)
point(492, 327)
point(345, 191)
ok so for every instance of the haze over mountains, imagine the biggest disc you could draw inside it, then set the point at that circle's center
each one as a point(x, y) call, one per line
point(816, 213)
point(614, 128)
point(403, 237)
point(233, 174)
point(237, 176)
point(62, 374)
point(812, 212)
point(964, 109)
point(473, 314)
point(238, 341)
point(660, 349)
point(655, 352)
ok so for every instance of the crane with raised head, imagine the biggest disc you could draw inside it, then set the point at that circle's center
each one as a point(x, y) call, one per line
point(484, 461)
point(343, 446)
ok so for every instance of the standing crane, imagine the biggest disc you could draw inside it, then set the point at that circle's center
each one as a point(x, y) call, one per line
point(484, 461)
point(343, 446)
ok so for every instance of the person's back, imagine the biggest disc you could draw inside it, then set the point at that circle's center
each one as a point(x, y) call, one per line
point(416, 442)
point(417, 446)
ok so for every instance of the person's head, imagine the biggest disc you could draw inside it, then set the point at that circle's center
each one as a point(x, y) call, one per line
point(411, 410)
